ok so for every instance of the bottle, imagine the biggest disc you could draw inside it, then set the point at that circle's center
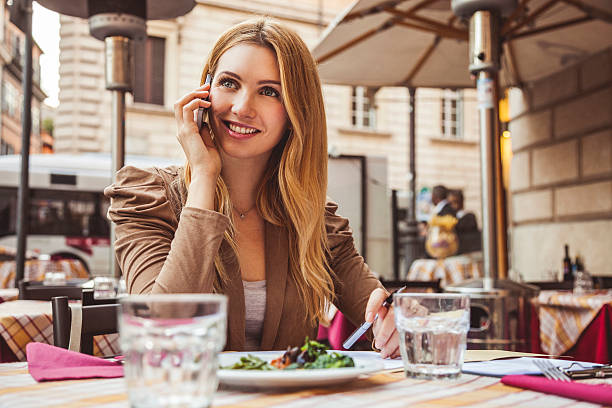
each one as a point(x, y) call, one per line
point(583, 282)
point(568, 276)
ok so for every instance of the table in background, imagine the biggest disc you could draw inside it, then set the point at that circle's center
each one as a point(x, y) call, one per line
point(8, 294)
point(19, 389)
point(73, 268)
point(450, 270)
point(24, 321)
point(574, 325)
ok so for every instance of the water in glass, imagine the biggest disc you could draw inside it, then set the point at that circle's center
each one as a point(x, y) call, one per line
point(433, 334)
point(172, 362)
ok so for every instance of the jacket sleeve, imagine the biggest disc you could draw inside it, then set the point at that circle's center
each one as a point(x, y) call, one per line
point(354, 281)
point(156, 252)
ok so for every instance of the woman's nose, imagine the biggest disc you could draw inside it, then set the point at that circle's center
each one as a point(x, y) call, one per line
point(242, 105)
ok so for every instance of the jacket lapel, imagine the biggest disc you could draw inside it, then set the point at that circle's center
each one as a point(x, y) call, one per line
point(277, 267)
point(235, 308)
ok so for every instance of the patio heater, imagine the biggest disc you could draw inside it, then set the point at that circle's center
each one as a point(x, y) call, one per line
point(118, 23)
point(499, 308)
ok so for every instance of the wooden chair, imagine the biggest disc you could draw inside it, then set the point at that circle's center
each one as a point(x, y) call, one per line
point(96, 320)
point(38, 291)
point(88, 299)
point(413, 286)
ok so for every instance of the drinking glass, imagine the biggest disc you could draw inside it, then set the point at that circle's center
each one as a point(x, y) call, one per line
point(105, 287)
point(170, 343)
point(433, 333)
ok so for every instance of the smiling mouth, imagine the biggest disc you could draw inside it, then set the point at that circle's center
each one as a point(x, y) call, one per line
point(243, 130)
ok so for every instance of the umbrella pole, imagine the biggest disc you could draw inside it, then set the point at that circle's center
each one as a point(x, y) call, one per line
point(118, 159)
point(412, 243)
point(119, 69)
point(488, 126)
point(23, 197)
point(484, 64)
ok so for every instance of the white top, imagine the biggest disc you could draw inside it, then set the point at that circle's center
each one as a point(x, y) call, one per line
point(255, 308)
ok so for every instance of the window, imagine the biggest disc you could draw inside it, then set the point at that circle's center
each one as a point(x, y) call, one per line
point(10, 99)
point(71, 213)
point(452, 114)
point(363, 114)
point(149, 65)
point(8, 209)
point(6, 148)
point(35, 120)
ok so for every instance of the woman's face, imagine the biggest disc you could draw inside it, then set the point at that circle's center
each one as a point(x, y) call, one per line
point(247, 114)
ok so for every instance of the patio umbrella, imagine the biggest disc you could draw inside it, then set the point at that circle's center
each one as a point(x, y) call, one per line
point(422, 43)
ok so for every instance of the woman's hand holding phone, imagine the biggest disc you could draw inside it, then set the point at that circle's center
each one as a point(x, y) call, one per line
point(200, 150)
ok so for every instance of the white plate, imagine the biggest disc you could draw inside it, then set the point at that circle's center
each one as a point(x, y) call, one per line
point(291, 378)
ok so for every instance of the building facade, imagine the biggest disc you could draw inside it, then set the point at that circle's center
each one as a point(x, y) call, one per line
point(360, 121)
point(561, 175)
point(12, 46)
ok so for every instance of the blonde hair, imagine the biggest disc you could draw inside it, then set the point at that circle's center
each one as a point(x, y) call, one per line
point(292, 192)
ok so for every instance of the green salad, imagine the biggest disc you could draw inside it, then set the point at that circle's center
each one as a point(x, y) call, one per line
point(312, 355)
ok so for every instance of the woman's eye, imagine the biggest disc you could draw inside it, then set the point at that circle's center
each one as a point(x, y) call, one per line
point(228, 83)
point(270, 92)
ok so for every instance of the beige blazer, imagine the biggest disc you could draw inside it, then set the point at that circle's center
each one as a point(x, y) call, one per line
point(164, 247)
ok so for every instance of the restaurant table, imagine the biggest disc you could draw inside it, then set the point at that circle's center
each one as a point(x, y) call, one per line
point(449, 270)
point(24, 321)
point(34, 270)
point(579, 326)
point(384, 389)
point(8, 294)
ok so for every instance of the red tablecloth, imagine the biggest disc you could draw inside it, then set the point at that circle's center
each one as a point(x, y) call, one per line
point(594, 344)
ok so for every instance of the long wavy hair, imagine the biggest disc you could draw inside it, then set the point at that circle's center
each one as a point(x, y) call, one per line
point(292, 192)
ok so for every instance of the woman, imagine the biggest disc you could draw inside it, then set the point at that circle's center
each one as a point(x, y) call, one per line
point(247, 216)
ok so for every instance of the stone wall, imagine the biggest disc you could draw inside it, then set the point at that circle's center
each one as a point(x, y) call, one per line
point(561, 175)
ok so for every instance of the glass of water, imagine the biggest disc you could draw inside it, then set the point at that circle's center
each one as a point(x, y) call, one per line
point(105, 287)
point(433, 333)
point(170, 343)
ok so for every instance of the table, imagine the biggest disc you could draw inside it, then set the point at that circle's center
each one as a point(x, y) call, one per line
point(8, 294)
point(388, 389)
point(24, 321)
point(34, 270)
point(573, 325)
point(450, 270)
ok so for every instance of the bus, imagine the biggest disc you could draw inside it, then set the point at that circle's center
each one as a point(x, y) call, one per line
point(67, 211)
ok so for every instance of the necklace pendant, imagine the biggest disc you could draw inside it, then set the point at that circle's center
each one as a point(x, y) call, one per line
point(242, 216)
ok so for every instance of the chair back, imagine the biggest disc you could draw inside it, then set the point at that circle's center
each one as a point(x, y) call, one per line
point(88, 299)
point(37, 291)
point(96, 320)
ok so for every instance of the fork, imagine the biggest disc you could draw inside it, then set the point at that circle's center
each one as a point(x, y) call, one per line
point(550, 371)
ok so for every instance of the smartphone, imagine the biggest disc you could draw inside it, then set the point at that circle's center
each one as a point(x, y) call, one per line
point(201, 117)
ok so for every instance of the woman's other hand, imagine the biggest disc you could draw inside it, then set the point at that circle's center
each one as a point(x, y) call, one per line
point(199, 148)
point(386, 337)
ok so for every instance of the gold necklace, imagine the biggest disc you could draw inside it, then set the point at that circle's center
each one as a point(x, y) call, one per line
point(242, 214)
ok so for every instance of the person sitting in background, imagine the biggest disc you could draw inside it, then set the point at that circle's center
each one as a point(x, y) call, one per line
point(467, 226)
point(439, 199)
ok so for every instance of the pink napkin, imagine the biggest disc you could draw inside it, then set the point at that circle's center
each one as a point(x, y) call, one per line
point(49, 363)
point(596, 393)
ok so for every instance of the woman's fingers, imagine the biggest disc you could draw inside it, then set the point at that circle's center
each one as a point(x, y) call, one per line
point(384, 332)
point(374, 306)
point(199, 93)
point(190, 108)
point(391, 347)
